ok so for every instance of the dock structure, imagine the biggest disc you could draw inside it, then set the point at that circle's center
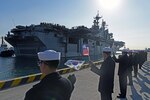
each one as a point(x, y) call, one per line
point(86, 86)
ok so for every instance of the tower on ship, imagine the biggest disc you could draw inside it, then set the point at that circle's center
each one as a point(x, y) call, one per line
point(96, 21)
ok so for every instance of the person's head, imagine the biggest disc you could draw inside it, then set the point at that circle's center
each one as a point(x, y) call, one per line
point(124, 51)
point(106, 52)
point(48, 61)
point(135, 52)
point(130, 52)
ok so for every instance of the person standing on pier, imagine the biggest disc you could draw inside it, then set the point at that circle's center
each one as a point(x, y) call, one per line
point(106, 73)
point(52, 86)
point(123, 61)
point(142, 58)
point(130, 69)
point(135, 63)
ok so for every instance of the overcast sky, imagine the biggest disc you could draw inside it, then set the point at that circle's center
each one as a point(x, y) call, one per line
point(128, 20)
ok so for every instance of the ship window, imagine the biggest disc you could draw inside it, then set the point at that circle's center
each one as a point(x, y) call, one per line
point(73, 40)
point(85, 41)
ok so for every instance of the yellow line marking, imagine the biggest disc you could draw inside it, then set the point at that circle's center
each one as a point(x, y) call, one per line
point(64, 71)
point(16, 82)
point(42, 76)
point(31, 78)
point(71, 70)
point(1, 84)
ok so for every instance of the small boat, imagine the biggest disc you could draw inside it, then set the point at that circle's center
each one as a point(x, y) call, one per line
point(5, 51)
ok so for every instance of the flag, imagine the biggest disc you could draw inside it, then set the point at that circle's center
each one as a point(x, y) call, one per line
point(85, 50)
point(76, 64)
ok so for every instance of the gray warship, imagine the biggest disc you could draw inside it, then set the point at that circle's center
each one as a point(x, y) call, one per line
point(28, 40)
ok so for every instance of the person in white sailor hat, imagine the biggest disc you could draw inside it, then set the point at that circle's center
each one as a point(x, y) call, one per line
point(135, 62)
point(130, 69)
point(106, 73)
point(106, 52)
point(125, 50)
point(123, 61)
point(53, 86)
point(50, 59)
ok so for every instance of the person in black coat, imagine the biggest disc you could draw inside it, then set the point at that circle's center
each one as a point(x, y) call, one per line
point(52, 86)
point(145, 56)
point(106, 73)
point(123, 61)
point(130, 69)
point(142, 58)
point(135, 63)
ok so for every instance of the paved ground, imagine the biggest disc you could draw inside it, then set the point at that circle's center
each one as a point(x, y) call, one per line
point(87, 84)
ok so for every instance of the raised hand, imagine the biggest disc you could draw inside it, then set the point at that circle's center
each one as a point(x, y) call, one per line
point(72, 78)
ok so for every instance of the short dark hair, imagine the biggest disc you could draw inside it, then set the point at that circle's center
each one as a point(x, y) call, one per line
point(52, 63)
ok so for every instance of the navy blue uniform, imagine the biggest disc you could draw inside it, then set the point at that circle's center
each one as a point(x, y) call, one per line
point(51, 87)
point(130, 69)
point(135, 64)
point(122, 73)
point(142, 58)
point(106, 73)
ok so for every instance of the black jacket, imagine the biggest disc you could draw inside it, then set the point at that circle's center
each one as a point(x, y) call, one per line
point(130, 63)
point(135, 59)
point(51, 87)
point(142, 57)
point(106, 73)
point(123, 61)
point(107, 70)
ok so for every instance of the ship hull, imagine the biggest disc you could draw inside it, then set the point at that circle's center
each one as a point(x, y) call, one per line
point(28, 46)
point(7, 53)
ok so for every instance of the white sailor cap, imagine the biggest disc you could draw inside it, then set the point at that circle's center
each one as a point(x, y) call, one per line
point(125, 50)
point(49, 55)
point(135, 51)
point(130, 51)
point(106, 49)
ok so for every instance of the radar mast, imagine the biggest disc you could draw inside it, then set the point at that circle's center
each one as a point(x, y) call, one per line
point(96, 21)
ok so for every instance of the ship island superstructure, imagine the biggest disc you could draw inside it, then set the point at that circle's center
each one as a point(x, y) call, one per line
point(28, 40)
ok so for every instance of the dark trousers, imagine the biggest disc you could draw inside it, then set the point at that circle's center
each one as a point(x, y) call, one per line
point(130, 77)
point(106, 96)
point(140, 65)
point(135, 68)
point(123, 85)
